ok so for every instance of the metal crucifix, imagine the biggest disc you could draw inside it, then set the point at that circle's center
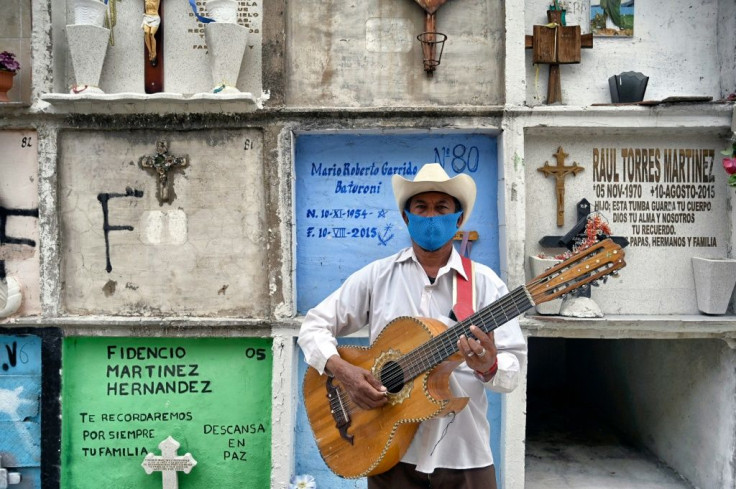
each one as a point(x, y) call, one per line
point(560, 171)
point(161, 164)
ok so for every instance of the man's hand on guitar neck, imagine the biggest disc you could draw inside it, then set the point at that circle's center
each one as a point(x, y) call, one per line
point(362, 387)
point(480, 353)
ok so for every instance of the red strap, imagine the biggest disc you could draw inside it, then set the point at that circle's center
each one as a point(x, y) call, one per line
point(464, 290)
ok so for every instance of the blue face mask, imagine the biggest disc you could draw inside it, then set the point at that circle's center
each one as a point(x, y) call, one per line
point(432, 232)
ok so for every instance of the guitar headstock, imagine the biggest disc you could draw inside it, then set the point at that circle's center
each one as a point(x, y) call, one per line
point(598, 261)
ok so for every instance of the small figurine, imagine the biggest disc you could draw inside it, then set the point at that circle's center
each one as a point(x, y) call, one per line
point(151, 21)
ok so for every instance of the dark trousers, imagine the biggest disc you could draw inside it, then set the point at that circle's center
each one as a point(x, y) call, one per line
point(405, 476)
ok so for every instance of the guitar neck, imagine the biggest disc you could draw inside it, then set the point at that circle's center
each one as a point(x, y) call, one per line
point(442, 346)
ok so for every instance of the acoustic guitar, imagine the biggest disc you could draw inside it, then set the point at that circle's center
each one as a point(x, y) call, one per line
point(413, 358)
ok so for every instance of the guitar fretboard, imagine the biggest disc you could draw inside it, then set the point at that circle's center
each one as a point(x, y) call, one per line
point(442, 346)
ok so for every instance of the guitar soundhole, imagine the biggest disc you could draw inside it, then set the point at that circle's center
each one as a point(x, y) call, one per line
point(392, 377)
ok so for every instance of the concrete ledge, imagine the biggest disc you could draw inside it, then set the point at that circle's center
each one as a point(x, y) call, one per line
point(134, 102)
point(608, 327)
point(633, 326)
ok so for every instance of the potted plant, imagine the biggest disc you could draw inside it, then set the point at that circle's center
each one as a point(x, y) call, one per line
point(557, 13)
point(8, 68)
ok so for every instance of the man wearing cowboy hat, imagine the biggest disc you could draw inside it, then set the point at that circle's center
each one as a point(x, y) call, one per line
point(450, 452)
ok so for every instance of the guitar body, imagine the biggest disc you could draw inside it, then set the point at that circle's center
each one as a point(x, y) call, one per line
point(413, 358)
point(369, 442)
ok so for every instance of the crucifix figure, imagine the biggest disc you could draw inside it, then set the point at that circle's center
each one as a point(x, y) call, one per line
point(560, 171)
point(153, 71)
point(8, 478)
point(169, 463)
point(161, 164)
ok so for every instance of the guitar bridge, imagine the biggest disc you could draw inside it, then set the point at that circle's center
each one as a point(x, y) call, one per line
point(338, 410)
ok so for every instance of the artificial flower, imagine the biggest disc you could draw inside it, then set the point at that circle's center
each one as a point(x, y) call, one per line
point(304, 481)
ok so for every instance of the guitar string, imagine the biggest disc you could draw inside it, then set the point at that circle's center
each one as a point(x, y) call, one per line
point(460, 328)
point(395, 379)
point(445, 344)
point(417, 361)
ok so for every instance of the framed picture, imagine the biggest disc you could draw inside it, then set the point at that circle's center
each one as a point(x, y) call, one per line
point(612, 18)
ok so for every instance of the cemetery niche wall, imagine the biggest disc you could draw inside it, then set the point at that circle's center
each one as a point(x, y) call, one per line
point(128, 249)
point(19, 235)
point(123, 396)
point(665, 193)
point(199, 58)
point(346, 217)
point(29, 407)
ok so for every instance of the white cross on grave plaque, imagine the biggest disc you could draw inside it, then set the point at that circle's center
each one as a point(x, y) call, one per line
point(7, 478)
point(169, 463)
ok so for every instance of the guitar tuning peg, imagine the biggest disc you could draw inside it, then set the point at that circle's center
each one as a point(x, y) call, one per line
point(595, 283)
point(605, 279)
point(614, 273)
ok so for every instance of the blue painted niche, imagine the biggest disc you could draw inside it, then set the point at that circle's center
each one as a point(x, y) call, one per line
point(346, 217)
point(20, 407)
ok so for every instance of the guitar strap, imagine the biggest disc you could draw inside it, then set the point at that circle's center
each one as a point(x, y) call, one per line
point(463, 291)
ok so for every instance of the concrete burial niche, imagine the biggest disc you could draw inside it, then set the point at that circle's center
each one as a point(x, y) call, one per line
point(123, 397)
point(188, 244)
point(19, 238)
point(659, 52)
point(625, 413)
point(29, 408)
point(185, 58)
point(665, 191)
point(349, 55)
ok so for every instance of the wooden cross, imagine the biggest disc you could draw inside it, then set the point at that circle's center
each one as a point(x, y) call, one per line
point(555, 44)
point(8, 478)
point(169, 463)
point(153, 50)
point(161, 164)
point(560, 171)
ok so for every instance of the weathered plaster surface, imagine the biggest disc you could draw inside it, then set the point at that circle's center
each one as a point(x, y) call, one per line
point(208, 255)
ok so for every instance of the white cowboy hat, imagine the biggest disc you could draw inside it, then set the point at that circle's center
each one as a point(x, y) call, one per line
point(433, 178)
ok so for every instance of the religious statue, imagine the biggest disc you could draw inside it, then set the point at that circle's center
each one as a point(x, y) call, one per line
point(151, 21)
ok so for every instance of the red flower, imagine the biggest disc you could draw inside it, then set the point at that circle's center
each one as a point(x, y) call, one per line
point(729, 164)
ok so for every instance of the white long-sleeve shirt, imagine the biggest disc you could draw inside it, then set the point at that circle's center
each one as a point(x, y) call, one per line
point(398, 286)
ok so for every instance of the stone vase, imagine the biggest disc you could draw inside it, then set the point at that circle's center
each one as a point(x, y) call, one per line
point(538, 267)
point(226, 46)
point(88, 48)
point(714, 283)
point(11, 296)
point(223, 11)
point(6, 84)
point(89, 12)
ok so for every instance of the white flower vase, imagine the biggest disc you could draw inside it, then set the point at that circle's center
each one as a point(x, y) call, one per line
point(714, 283)
point(538, 266)
point(223, 11)
point(89, 12)
point(88, 48)
point(11, 296)
point(226, 46)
